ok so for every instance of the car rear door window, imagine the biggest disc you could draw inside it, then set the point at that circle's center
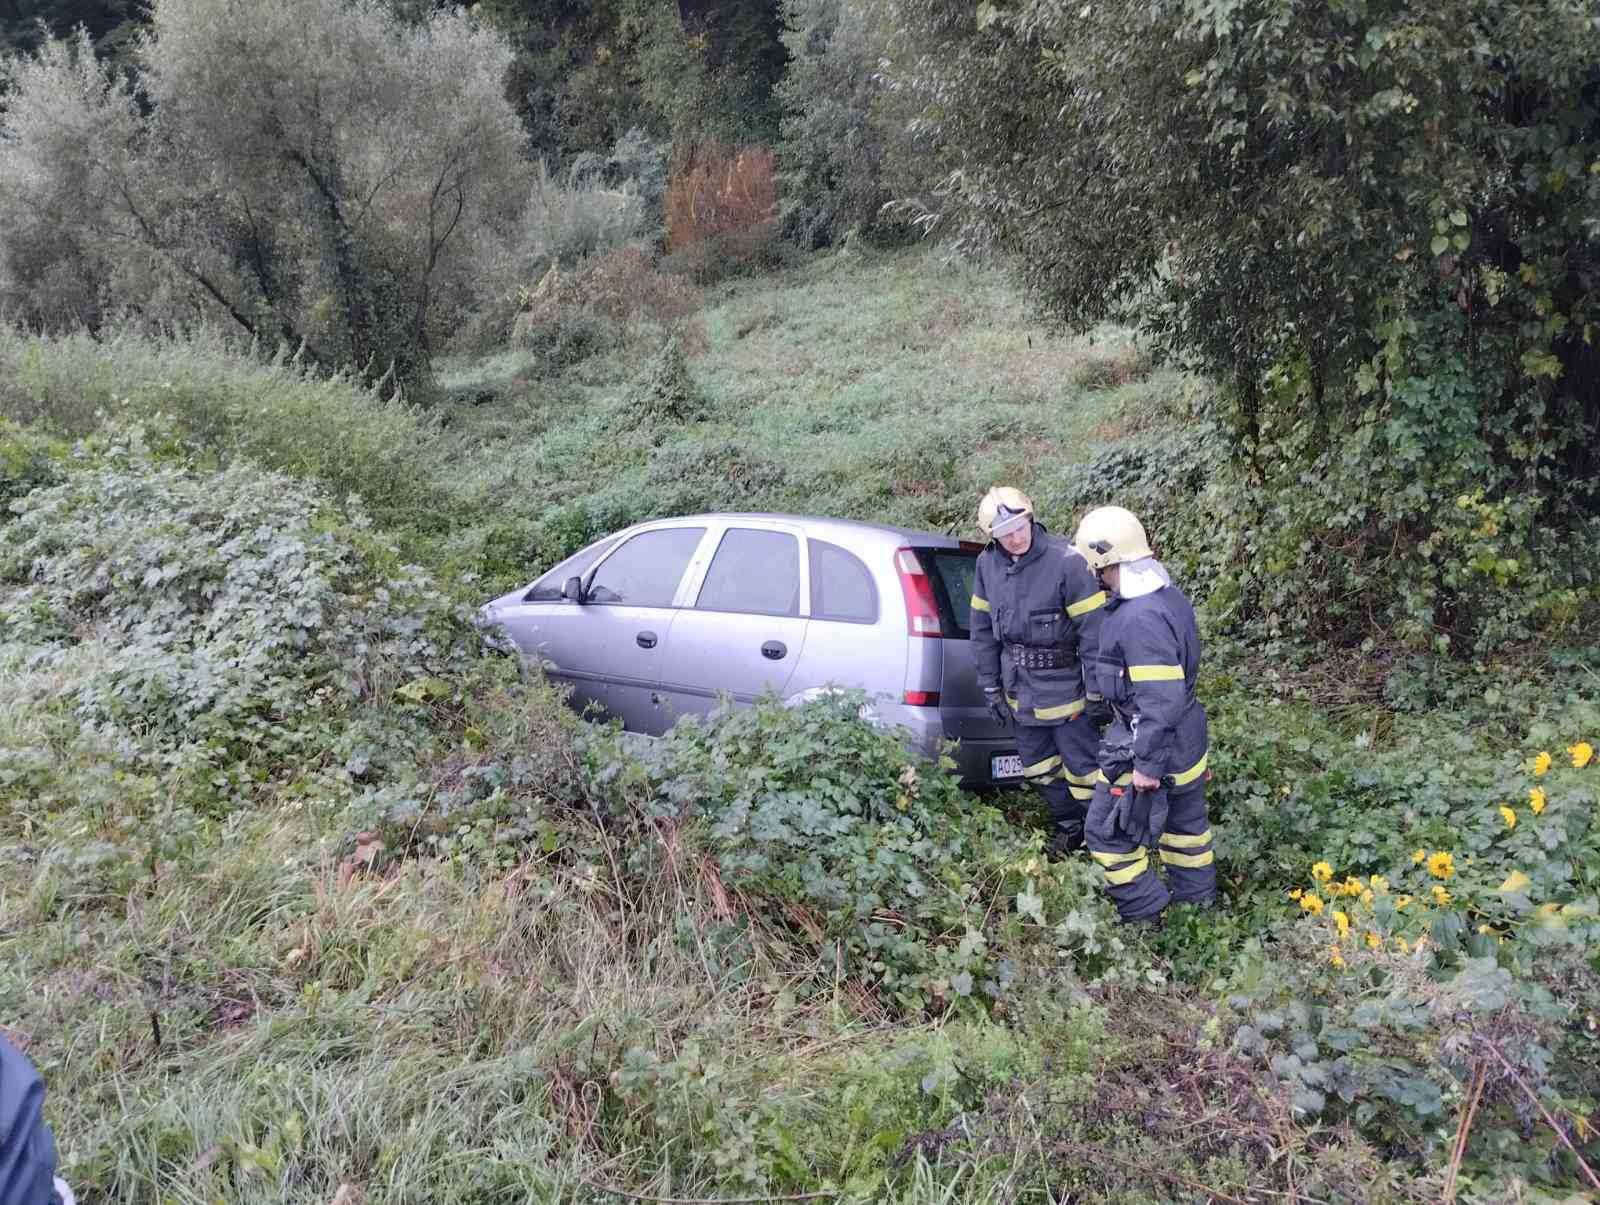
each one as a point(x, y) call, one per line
point(754, 571)
point(646, 570)
point(953, 573)
point(841, 586)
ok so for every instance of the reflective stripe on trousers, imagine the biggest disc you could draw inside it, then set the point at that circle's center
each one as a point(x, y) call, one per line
point(1184, 851)
point(1059, 760)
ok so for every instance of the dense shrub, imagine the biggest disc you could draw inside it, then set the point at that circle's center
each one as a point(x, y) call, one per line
point(635, 164)
point(721, 207)
point(236, 617)
point(568, 223)
point(831, 148)
point(828, 826)
point(619, 297)
point(1385, 266)
point(664, 397)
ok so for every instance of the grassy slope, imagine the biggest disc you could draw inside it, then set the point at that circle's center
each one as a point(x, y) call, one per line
point(254, 1025)
point(449, 1034)
point(885, 387)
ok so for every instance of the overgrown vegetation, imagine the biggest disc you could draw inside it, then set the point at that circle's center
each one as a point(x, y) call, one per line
point(299, 891)
point(304, 897)
point(1372, 224)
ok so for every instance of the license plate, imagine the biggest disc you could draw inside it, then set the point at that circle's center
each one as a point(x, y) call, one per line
point(1005, 765)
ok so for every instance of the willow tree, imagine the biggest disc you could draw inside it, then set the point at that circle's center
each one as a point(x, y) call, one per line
point(310, 171)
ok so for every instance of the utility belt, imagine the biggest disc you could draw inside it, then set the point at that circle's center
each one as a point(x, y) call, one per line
point(1041, 656)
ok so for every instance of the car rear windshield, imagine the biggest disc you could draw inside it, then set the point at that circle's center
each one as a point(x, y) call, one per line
point(952, 571)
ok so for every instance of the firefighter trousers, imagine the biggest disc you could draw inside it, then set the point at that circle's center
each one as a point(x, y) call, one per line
point(1127, 851)
point(1058, 760)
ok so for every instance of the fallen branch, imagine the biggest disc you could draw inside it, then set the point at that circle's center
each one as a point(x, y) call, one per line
point(1544, 1112)
point(1457, 1154)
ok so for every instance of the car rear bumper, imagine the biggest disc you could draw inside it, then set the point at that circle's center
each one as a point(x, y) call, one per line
point(924, 729)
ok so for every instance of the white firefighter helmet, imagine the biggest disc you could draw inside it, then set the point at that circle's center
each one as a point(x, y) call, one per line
point(1110, 535)
point(1003, 510)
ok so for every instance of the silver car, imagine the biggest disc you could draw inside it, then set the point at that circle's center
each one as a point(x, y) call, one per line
point(655, 621)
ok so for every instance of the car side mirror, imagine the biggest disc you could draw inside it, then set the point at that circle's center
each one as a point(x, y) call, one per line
point(572, 589)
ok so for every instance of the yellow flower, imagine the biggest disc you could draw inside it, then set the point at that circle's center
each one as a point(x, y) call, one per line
point(1373, 940)
point(1418, 855)
point(1405, 946)
point(1549, 910)
point(1341, 919)
point(1541, 764)
point(1322, 872)
point(1379, 883)
point(1582, 754)
point(1441, 865)
point(1335, 957)
point(1536, 800)
point(1401, 901)
point(1295, 893)
point(1352, 886)
point(1312, 903)
point(1367, 897)
point(1515, 881)
point(1440, 895)
point(1509, 816)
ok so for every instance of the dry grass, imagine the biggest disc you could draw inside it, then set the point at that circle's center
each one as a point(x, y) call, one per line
point(622, 287)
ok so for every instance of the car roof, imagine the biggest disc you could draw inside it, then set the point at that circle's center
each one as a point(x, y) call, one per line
point(819, 524)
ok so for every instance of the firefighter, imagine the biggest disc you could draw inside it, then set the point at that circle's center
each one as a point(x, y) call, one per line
point(1035, 608)
point(1150, 792)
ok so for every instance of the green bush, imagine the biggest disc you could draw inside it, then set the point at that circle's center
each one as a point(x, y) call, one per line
point(873, 862)
point(233, 618)
point(664, 397)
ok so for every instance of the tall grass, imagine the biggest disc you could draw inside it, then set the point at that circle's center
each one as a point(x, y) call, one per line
point(230, 400)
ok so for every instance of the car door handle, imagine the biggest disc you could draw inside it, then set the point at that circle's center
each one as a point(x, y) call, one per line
point(774, 650)
point(645, 640)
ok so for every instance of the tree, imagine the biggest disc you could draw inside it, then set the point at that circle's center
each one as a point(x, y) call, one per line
point(1374, 221)
point(831, 149)
point(110, 24)
point(311, 171)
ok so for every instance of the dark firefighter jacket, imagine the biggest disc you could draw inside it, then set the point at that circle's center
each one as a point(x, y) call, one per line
point(1047, 599)
point(1149, 656)
point(27, 1155)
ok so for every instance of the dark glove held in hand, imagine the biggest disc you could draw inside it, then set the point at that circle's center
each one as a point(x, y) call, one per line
point(998, 708)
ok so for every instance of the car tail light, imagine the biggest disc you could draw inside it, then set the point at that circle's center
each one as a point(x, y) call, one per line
point(922, 698)
point(922, 611)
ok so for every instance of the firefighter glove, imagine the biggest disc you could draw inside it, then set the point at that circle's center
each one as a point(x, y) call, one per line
point(1128, 817)
point(1156, 810)
point(998, 707)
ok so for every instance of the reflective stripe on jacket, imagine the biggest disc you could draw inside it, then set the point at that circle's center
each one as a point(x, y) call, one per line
point(1149, 660)
point(1046, 598)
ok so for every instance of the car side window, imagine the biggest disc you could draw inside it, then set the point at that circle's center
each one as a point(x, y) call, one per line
point(753, 571)
point(646, 570)
point(548, 587)
point(841, 586)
